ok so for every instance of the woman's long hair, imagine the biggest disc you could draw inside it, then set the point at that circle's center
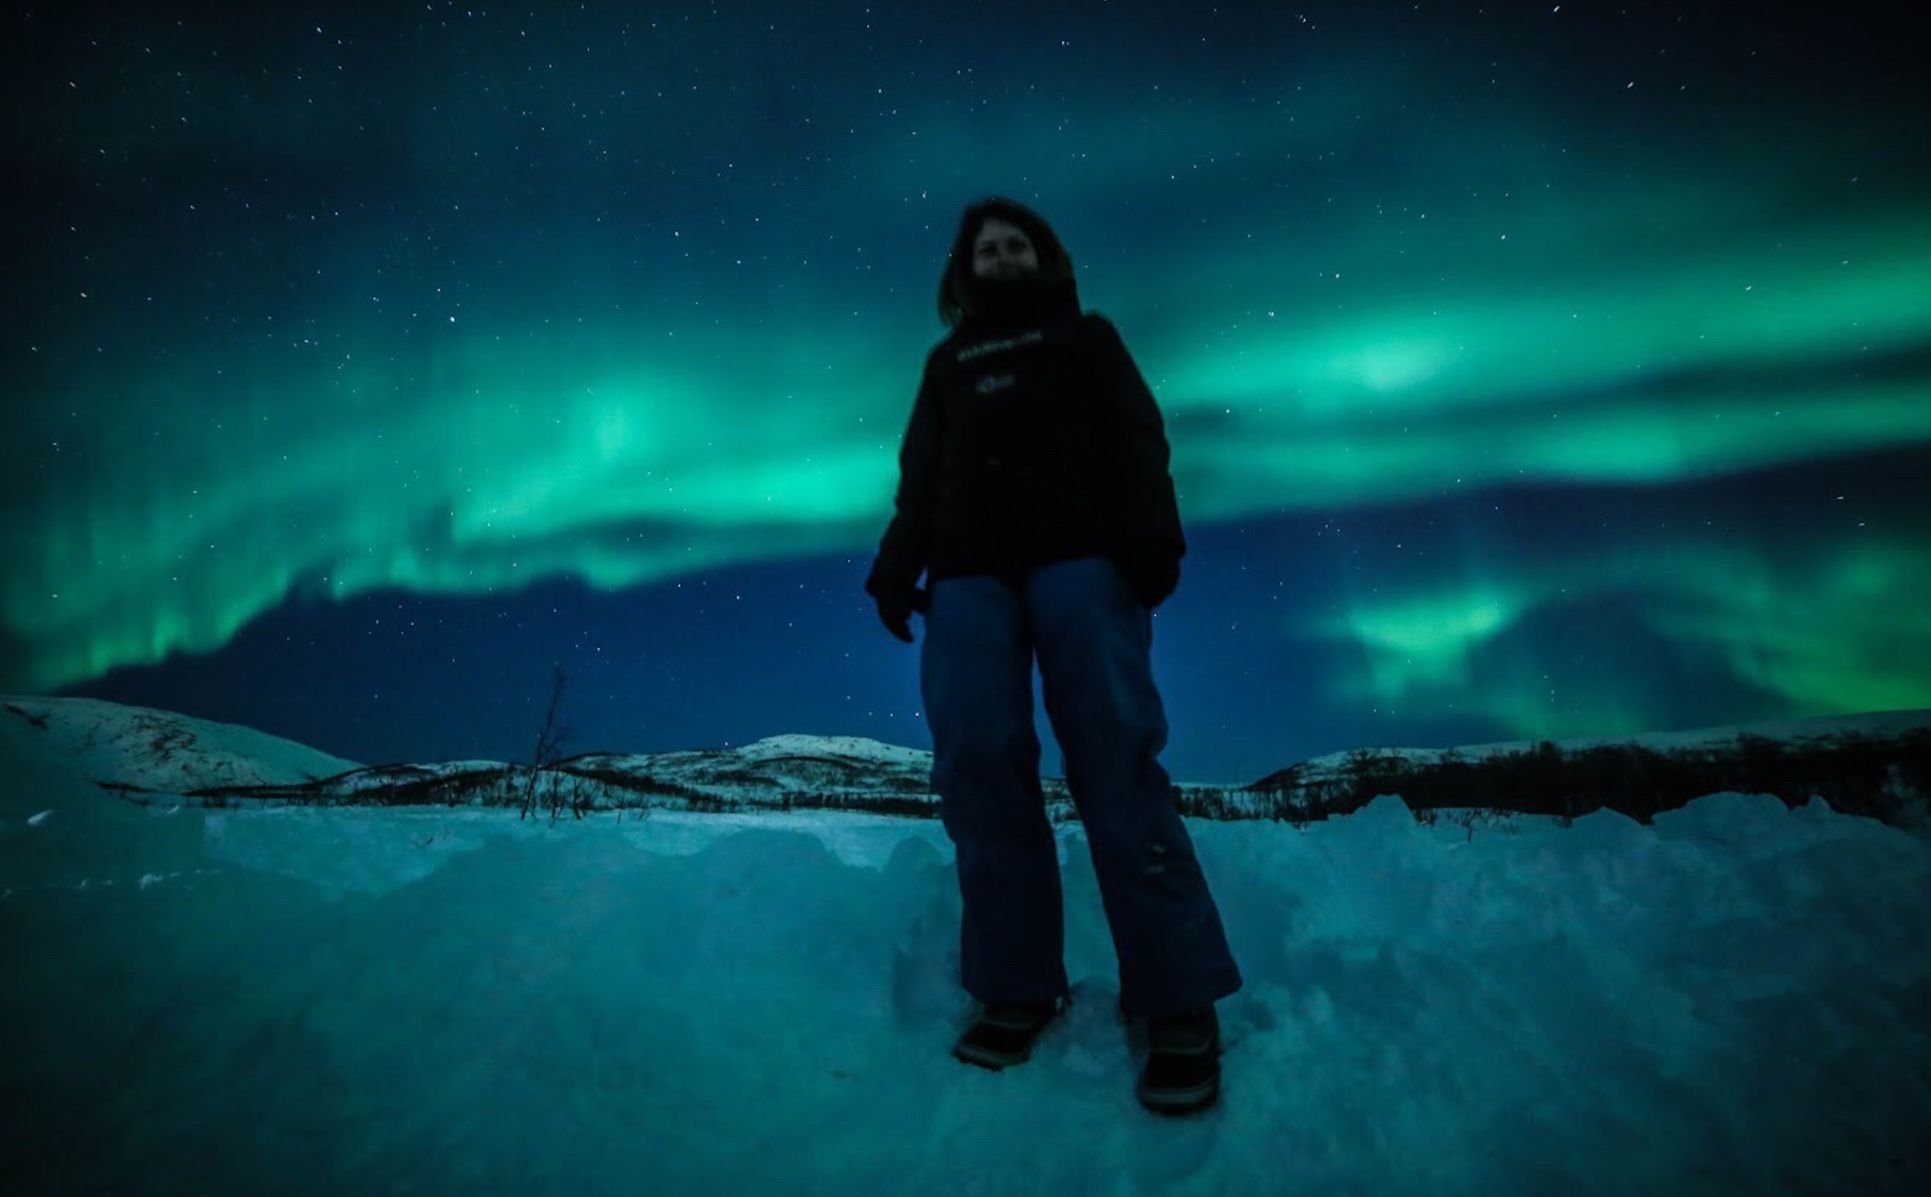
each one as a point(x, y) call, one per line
point(957, 300)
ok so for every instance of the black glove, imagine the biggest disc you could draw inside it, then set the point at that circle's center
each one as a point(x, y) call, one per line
point(895, 607)
point(1152, 579)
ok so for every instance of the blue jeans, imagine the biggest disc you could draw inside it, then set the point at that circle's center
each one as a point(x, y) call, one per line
point(1093, 641)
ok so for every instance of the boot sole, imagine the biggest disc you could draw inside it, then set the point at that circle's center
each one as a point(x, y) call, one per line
point(990, 1057)
point(1185, 1100)
point(986, 1058)
point(1180, 1101)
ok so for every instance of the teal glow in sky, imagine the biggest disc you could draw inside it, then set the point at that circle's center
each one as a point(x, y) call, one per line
point(329, 314)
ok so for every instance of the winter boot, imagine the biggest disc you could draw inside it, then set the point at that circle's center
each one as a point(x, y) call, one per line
point(1182, 1071)
point(1004, 1034)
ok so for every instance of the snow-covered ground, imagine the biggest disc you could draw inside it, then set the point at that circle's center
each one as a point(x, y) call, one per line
point(363, 1001)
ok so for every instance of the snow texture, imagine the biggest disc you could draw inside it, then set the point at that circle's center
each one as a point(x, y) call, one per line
point(296, 1001)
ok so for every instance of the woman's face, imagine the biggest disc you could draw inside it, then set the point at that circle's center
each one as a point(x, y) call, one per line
point(1002, 250)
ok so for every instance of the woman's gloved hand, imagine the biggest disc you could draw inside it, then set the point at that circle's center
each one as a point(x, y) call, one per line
point(895, 607)
point(1153, 579)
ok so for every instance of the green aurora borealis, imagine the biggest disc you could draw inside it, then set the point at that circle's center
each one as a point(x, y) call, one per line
point(454, 305)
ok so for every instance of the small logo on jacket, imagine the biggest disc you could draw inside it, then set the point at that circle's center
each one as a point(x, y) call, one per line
point(984, 347)
point(994, 382)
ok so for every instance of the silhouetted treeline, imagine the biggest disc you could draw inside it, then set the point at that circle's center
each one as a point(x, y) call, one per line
point(1884, 778)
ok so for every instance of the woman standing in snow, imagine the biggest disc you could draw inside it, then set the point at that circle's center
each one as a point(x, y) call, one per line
point(1034, 494)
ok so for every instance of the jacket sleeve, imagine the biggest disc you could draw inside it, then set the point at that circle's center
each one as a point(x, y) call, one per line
point(902, 551)
point(1133, 436)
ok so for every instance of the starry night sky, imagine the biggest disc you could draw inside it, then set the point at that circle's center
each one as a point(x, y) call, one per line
point(1535, 370)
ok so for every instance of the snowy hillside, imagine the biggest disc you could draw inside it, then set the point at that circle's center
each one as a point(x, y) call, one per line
point(1875, 764)
point(162, 751)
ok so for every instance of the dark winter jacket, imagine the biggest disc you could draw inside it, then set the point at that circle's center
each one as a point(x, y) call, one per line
point(1033, 438)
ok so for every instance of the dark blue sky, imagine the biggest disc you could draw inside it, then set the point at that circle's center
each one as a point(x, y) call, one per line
point(1529, 370)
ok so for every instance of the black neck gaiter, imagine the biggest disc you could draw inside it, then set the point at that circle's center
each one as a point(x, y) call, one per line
point(1024, 299)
